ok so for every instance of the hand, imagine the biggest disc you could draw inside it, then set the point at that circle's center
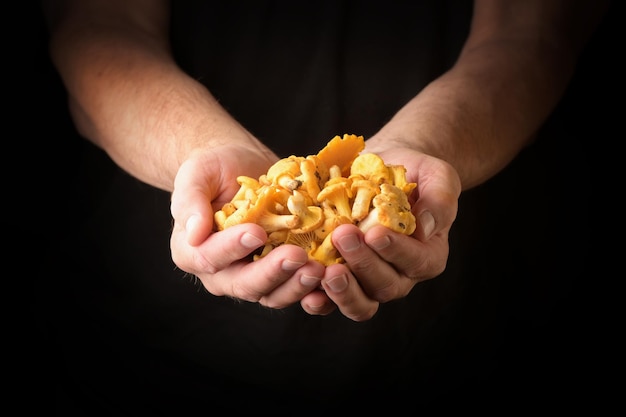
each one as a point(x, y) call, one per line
point(222, 260)
point(383, 265)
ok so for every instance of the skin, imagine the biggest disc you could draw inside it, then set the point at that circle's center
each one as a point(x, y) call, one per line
point(128, 96)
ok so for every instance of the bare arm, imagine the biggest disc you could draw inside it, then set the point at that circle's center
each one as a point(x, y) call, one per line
point(127, 94)
point(513, 69)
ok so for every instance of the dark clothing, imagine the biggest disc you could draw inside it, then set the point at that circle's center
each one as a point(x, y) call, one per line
point(297, 75)
point(132, 332)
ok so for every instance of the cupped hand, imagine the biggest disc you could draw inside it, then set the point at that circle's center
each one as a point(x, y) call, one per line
point(382, 265)
point(222, 261)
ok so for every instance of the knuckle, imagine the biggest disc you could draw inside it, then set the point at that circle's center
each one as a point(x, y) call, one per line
point(203, 264)
point(387, 293)
point(243, 292)
point(362, 265)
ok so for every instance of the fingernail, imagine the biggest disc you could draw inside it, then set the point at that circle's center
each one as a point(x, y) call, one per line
point(192, 222)
point(428, 223)
point(309, 281)
point(349, 243)
point(338, 283)
point(250, 241)
point(289, 265)
point(380, 243)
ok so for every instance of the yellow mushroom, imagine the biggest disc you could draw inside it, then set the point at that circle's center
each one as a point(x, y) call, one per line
point(337, 192)
point(248, 188)
point(326, 253)
point(398, 175)
point(274, 239)
point(391, 209)
point(364, 191)
point(301, 201)
point(284, 172)
point(332, 219)
point(263, 213)
point(307, 241)
point(341, 151)
point(309, 217)
point(310, 178)
point(371, 167)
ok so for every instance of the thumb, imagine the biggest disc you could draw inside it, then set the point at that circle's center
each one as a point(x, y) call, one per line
point(191, 203)
point(437, 205)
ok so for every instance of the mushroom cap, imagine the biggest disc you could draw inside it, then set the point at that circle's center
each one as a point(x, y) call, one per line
point(342, 151)
point(371, 167)
point(289, 165)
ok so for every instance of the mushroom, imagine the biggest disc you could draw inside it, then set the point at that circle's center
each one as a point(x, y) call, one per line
point(332, 219)
point(363, 190)
point(284, 172)
point(341, 152)
point(262, 213)
point(337, 192)
point(371, 167)
point(326, 253)
point(309, 217)
point(398, 175)
point(310, 177)
point(307, 241)
point(274, 239)
point(301, 201)
point(220, 216)
point(391, 209)
point(248, 188)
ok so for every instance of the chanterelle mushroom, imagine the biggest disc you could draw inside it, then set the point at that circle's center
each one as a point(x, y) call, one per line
point(313, 174)
point(398, 175)
point(364, 191)
point(326, 253)
point(302, 200)
point(337, 192)
point(391, 209)
point(284, 172)
point(309, 217)
point(371, 167)
point(263, 213)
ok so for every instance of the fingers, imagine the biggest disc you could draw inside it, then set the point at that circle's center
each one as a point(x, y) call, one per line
point(294, 284)
point(344, 290)
point(378, 278)
point(224, 266)
point(255, 281)
point(386, 264)
point(317, 303)
point(218, 251)
point(410, 258)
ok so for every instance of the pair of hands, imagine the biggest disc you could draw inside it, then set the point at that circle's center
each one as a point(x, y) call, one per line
point(381, 265)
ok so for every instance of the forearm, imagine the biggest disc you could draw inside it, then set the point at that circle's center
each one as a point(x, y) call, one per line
point(506, 82)
point(128, 96)
point(476, 122)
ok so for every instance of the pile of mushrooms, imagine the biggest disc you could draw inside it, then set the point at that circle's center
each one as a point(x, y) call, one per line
point(301, 200)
